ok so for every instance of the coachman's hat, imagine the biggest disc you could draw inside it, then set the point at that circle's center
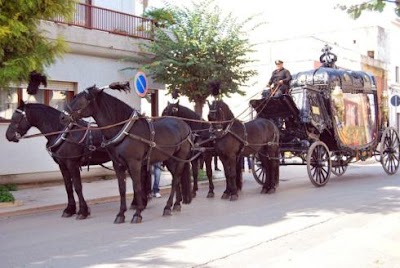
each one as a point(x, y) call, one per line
point(278, 62)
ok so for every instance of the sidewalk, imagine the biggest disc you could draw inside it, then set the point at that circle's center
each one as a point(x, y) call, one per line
point(48, 198)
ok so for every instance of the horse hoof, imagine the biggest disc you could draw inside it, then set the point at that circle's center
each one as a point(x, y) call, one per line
point(177, 208)
point(167, 212)
point(67, 214)
point(271, 191)
point(234, 197)
point(225, 196)
point(119, 219)
point(210, 195)
point(136, 219)
point(263, 191)
point(193, 194)
point(81, 217)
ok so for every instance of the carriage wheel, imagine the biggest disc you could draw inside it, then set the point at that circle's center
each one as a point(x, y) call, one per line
point(258, 170)
point(319, 164)
point(339, 164)
point(390, 147)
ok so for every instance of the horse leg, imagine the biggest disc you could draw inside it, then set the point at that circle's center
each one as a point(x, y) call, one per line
point(71, 206)
point(195, 172)
point(172, 167)
point(121, 177)
point(135, 170)
point(229, 163)
point(84, 210)
point(265, 164)
point(274, 166)
point(208, 160)
point(239, 173)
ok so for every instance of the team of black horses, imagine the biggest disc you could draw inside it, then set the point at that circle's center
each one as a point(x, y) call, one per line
point(133, 142)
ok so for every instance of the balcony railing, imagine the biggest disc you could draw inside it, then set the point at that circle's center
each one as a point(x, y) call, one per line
point(102, 19)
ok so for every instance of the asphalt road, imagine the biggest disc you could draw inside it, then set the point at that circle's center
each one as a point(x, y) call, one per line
point(351, 222)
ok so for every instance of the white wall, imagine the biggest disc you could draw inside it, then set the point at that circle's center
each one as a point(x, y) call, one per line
point(126, 6)
point(95, 58)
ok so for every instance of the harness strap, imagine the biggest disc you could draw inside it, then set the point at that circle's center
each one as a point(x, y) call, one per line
point(122, 133)
point(152, 143)
point(60, 139)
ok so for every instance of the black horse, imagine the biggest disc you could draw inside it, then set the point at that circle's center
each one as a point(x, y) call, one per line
point(234, 139)
point(136, 142)
point(202, 135)
point(69, 149)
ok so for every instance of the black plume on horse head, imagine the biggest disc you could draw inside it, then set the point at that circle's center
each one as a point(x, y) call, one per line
point(175, 94)
point(214, 87)
point(35, 79)
point(121, 86)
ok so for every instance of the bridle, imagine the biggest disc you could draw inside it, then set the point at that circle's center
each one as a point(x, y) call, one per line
point(73, 114)
point(15, 125)
point(214, 111)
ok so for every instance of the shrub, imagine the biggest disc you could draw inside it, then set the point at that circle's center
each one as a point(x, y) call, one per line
point(5, 194)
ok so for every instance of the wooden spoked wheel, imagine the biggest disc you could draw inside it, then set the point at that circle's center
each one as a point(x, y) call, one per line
point(339, 164)
point(259, 173)
point(319, 164)
point(390, 147)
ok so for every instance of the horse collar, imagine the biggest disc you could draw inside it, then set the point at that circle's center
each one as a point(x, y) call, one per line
point(123, 132)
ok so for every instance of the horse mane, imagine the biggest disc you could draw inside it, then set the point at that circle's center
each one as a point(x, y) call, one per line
point(114, 108)
point(188, 113)
point(226, 109)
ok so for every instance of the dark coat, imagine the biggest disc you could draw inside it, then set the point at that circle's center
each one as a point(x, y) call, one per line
point(281, 74)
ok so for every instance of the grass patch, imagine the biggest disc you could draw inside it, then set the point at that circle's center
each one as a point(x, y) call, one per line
point(5, 194)
point(202, 175)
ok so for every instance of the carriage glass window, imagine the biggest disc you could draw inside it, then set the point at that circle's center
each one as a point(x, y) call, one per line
point(8, 103)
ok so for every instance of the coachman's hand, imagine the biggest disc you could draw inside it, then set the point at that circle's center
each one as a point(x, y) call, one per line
point(280, 82)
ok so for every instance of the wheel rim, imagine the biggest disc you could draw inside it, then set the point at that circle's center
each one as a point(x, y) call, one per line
point(390, 151)
point(258, 171)
point(319, 164)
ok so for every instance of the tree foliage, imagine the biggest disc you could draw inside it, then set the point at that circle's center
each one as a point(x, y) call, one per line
point(355, 11)
point(23, 47)
point(201, 46)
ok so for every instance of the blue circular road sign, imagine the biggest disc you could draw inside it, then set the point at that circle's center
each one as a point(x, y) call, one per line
point(140, 84)
point(395, 100)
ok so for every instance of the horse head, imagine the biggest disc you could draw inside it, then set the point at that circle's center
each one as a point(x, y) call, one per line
point(220, 113)
point(172, 109)
point(35, 79)
point(81, 105)
point(19, 124)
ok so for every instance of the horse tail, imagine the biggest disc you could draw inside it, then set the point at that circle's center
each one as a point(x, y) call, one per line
point(186, 184)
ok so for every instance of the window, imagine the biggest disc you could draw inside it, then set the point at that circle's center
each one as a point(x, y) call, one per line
point(56, 95)
point(396, 74)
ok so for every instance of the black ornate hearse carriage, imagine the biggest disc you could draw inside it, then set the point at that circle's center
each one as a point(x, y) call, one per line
point(330, 118)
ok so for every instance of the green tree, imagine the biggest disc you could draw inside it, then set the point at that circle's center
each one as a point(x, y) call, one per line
point(200, 45)
point(355, 11)
point(23, 47)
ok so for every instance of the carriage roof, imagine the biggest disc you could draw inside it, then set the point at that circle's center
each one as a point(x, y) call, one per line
point(324, 76)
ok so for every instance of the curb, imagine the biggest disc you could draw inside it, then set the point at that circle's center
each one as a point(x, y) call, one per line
point(100, 200)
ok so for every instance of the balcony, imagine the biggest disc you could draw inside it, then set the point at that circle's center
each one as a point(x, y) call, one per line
point(102, 19)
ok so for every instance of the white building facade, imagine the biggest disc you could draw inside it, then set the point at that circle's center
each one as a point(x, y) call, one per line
point(97, 55)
